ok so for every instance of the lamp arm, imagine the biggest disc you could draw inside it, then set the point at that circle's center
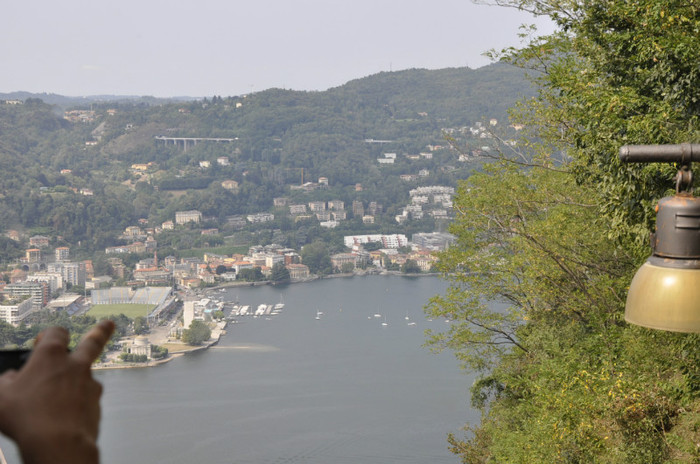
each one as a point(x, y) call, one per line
point(684, 153)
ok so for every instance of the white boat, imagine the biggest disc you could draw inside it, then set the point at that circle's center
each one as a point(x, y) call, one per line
point(385, 323)
point(318, 315)
point(261, 309)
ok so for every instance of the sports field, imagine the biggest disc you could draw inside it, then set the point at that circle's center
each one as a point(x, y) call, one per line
point(129, 310)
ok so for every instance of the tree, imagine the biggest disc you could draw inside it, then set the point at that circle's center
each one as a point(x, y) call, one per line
point(158, 352)
point(141, 325)
point(315, 255)
point(347, 268)
point(279, 273)
point(373, 246)
point(410, 267)
point(7, 334)
point(549, 238)
point(250, 275)
point(136, 358)
point(198, 333)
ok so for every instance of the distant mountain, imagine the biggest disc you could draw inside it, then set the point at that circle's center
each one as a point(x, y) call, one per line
point(489, 90)
point(64, 102)
point(455, 94)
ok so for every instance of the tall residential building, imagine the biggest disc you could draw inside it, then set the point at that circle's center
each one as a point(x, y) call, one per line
point(316, 206)
point(358, 209)
point(53, 279)
point(14, 310)
point(38, 291)
point(73, 273)
point(33, 255)
point(375, 209)
point(62, 253)
point(336, 205)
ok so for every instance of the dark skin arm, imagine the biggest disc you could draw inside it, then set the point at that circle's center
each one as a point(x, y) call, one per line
point(51, 407)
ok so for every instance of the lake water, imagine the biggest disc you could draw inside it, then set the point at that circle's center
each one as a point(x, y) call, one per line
point(293, 389)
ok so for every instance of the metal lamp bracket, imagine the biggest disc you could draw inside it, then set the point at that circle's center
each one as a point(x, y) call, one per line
point(683, 154)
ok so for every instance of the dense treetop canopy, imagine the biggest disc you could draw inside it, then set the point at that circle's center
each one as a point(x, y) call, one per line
point(549, 238)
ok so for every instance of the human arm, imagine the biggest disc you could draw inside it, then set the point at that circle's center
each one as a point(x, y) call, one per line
point(50, 407)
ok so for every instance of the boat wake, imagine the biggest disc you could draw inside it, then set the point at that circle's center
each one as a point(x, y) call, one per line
point(247, 347)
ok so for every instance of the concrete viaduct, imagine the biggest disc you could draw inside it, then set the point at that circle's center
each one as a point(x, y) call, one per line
point(186, 141)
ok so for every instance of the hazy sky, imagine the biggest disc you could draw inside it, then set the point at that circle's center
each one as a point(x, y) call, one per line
point(230, 47)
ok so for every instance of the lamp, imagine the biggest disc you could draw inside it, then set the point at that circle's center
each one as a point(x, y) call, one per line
point(665, 291)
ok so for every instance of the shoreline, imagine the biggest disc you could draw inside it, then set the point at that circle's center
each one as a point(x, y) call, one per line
point(216, 335)
point(314, 278)
point(219, 330)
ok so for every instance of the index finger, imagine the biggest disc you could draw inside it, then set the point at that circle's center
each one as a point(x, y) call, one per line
point(93, 342)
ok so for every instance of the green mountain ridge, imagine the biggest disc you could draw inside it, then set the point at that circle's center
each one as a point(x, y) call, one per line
point(282, 137)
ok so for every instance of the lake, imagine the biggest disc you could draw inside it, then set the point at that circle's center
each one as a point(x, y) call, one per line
point(348, 387)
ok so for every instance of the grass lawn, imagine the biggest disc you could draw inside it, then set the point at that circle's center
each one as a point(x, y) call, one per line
point(129, 310)
point(177, 347)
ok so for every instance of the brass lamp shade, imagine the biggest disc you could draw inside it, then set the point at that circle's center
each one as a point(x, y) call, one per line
point(665, 292)
point(664, 298)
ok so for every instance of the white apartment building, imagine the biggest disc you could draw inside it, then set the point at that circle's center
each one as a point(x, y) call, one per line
point(13, 313)
point(297, 209)
point(388, 241)
point(53, 279)
point(73, 273)
point(183, 217)
point(272, 259)
point(260, 217)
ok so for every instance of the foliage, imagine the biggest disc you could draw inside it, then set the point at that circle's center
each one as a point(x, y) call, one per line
point(373, 246)
point(410, 267)
point(158, 352)
point(279, 273)
point(547, 242)
point(250, 275)
point(135, 358)
point(347, 268)
point(88, 194)
point(315, 255)
point(141, 325)
point(196, 334)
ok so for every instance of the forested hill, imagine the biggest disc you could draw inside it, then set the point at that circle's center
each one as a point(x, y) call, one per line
point(487, 90)
point(457, 95)
point(49, 156)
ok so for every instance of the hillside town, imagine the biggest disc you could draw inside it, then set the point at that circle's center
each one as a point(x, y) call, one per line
point(49, 278)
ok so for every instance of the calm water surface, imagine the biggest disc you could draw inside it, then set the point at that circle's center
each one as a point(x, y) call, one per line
point(293, 389)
